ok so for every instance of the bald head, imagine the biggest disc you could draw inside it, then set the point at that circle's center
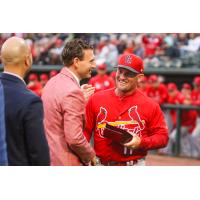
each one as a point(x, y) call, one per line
point(14, 51)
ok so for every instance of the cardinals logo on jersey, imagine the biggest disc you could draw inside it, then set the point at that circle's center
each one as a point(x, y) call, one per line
point(101, 119)
point(133, 124)
point(134, 115)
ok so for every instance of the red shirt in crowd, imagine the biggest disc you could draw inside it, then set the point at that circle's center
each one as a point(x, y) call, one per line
point(151, 44)
point(158, 94)
point(195, 95)
point(35, 87)
point(102, 82)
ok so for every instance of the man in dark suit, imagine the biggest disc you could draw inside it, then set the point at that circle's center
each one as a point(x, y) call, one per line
point(26, 142)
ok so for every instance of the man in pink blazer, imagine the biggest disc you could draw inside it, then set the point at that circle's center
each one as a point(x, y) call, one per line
point(64, 107)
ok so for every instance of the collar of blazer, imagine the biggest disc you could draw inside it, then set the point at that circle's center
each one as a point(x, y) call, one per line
point(12, 78)
point(70, 74)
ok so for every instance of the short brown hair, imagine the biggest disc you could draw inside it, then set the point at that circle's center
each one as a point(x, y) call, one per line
point(73, 49)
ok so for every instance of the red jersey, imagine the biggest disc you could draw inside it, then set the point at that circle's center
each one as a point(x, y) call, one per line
point(195, 95)
point(188, 117)
point(151, 44)
point(177, 99)
point(102, 82)
point(135, 113)
point(159, 94)
point(36, 88)
point(144, 90)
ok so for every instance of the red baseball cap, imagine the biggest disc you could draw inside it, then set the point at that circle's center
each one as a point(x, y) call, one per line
point(171, 86)
point(44, 77)
point(186, 86)
point(153, 78)
point(53, 73)
point(33, 77)
point(197, 80)
point(102, 66)
point(131, 62)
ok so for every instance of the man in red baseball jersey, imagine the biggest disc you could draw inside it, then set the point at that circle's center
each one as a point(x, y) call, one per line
point(127, 108)
point(34, 84)
point(43, 79)
point(174, 97)
point(156, 90)
point(101, 81)
point(143, 84)
point(195, 95)
point(188, 122)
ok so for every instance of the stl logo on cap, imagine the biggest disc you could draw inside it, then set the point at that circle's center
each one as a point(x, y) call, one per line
point(131, 62)
point(128, 59)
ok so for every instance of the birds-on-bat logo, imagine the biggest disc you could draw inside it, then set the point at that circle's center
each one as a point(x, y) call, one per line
point(134, 115)
point(101, 118)
point(135, 121)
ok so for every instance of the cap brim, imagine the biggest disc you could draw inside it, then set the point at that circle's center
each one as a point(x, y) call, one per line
point(126, 67)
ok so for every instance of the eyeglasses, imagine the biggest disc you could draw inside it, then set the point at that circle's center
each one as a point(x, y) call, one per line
point(127, 74)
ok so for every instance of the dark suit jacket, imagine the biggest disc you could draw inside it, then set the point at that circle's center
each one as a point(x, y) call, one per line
point(26, 142)
point(3, 150)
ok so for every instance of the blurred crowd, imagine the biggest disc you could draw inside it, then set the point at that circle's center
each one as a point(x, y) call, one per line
point(157, 50)
point(37, 82)
point(154, 87)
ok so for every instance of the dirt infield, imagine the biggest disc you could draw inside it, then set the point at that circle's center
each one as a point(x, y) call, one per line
point(161, 160)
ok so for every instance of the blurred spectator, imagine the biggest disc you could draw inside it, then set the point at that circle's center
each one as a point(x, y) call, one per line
point(122, 44)
point(143, 84)
point(43, 79)
point(170, 46)
point(151, 42)
point(188, 122)
point(193, 44)
point(108, 53)
point(52, 73)
point(113, 75)
point(158, 50)
point(101, 81)
point(174, 97)
point(186, 90)
point(34, 84)
point(56, 51)
point(196, 91)
point(157, 90)
point(196, 101)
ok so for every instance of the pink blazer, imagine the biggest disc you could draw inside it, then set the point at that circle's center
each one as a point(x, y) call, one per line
point(64, 110)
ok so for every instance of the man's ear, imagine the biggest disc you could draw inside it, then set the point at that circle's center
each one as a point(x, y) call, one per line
point(76, 62)
point(27, 61)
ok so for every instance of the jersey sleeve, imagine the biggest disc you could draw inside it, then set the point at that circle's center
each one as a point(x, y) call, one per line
point(157, 131)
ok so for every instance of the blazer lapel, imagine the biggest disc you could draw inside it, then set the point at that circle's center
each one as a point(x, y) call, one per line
point(66, 72)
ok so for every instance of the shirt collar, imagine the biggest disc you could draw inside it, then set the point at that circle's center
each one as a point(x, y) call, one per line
point(15, 75)
point(74, 75)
